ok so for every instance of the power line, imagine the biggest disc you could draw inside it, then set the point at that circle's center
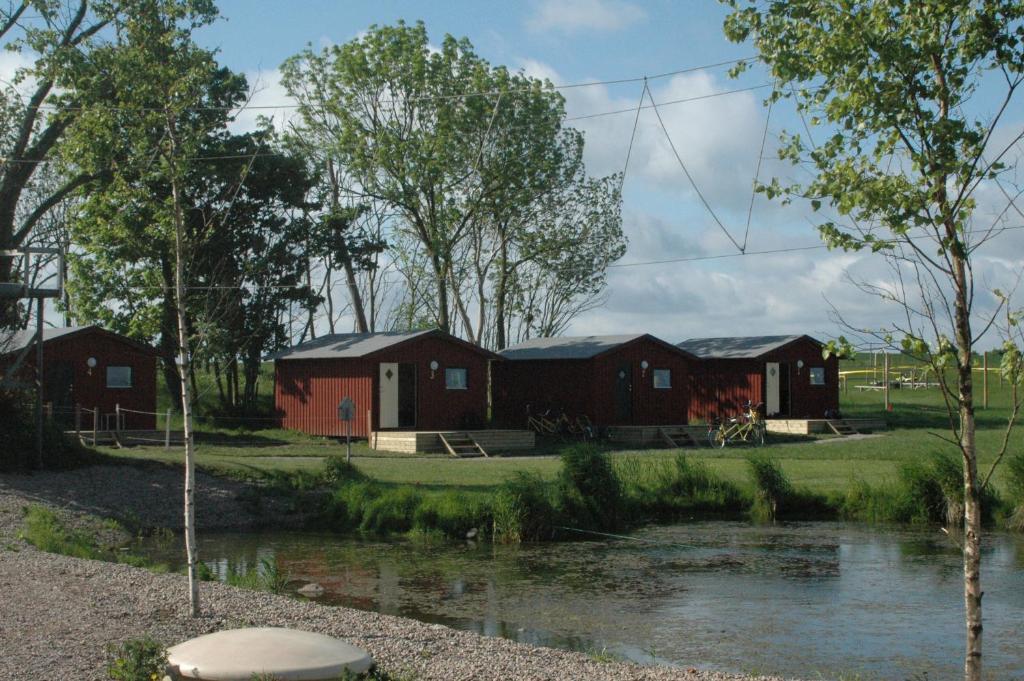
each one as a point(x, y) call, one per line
point(686, 172)
point(774, 251)
point(566, 120)
point(419, 98)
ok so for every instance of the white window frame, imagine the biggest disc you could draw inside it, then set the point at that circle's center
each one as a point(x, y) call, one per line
point(131, 377)
point(654, 379)
point(465, 378)
point(819, 372)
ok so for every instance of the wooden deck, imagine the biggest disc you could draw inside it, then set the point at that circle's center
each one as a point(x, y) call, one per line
point(412, 441)
point(818, 426)
point(681, 435)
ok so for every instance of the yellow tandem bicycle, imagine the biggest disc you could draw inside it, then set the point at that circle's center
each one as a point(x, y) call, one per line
point(749, 427)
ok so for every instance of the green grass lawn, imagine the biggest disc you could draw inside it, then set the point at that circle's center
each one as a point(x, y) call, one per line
point(917, 420)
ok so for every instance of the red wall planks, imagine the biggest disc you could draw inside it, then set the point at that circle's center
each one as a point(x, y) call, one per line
point(720, 387)
point(88, 386)
point(588, 386)
point(307, 392)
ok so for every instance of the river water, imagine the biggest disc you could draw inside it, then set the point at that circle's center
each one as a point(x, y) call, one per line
point(809, 600)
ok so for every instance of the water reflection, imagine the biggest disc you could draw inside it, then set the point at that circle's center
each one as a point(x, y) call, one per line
point(797, 599)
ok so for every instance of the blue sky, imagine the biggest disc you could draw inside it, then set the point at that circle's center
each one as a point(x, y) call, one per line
point(573, 41)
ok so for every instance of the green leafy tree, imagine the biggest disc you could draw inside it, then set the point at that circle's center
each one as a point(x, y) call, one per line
point(892, 82)
point(160, 85)
point(38, 106)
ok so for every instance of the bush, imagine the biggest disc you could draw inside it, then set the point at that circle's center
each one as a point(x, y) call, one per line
point(1015, 487)
point(18, 433)
point(930, 491)
point(338, 471)
point(588, 493)
point(522, 510)
point(772, 489)
point(137, 660)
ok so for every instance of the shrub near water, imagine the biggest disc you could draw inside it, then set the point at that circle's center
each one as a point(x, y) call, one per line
point(772, 489)
point(522, 510)
point(588, 493)
point(930, 491)
point(137, 660)
point(666, 488)
point(1015, 487)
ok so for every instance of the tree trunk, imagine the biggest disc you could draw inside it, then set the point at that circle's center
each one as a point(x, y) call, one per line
point(184, 367)
point(169, 335)
point(972, 493)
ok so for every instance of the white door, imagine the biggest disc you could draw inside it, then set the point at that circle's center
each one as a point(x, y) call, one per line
point(388, 395)
point(771, 388)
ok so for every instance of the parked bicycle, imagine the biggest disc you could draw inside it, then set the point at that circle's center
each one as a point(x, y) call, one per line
point(748, 427)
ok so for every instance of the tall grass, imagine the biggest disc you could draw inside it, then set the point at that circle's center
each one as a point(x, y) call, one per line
point(522, 510)
point(588, 494)
point(266, 576)
point(929, 491)
point(44, 530)
point(772, 489)
point(669, 488)
point(1015, 489)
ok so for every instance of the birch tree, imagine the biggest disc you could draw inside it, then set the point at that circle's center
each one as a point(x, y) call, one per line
point(898, 87)
point(166, 95)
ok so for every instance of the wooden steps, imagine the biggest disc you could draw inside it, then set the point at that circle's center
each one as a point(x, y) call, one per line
point(461, 445)
point(842, 427)
point(676, 437)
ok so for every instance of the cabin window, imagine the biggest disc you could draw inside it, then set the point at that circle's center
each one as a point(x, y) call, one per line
point(662, 379)
point(119, 377)
point(456, 378)
point(817, 375)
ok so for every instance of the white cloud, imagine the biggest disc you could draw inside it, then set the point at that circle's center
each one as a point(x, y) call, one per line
point(571, 16)
point(269, 99)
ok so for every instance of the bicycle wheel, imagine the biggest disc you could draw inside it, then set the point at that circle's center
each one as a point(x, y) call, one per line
point(759, 435)
point(720, 439)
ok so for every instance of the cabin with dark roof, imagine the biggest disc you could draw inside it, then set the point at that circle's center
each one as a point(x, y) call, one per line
point(787, 374)
point(93, 368)
point(409, 381)
point(621, 380)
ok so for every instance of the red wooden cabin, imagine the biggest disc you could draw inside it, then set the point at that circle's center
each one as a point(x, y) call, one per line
point(613, 380)
point(420, 380)
point(93, 368)
point(785, 373)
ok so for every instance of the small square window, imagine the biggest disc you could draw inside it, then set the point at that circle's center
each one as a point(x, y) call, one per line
point(662, 379)
point(119, 377)
point(456, 379)
point(817, 375)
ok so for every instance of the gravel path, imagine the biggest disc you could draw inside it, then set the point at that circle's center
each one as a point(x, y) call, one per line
point(60, 613)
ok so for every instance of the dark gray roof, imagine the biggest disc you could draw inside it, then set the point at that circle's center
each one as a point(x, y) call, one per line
point(566, 347)
point(22, 338)
point(347, 345)
point(737, 347)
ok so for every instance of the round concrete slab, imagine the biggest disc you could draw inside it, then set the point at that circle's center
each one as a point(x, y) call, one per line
point(286, 654)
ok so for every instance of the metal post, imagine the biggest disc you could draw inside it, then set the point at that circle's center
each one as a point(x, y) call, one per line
point(95, 425)
point(39, 381)
point(348, 440)
point(117, 418)
point(886, 379)
point(167, 430)
point(984, 380)
point(78, 421)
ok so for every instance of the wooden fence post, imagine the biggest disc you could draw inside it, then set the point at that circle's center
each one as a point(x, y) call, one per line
point(78, 421)
point(885, 378)
point(984, 380)
point(369, 429)
point(117, 418)
point(167, 430)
